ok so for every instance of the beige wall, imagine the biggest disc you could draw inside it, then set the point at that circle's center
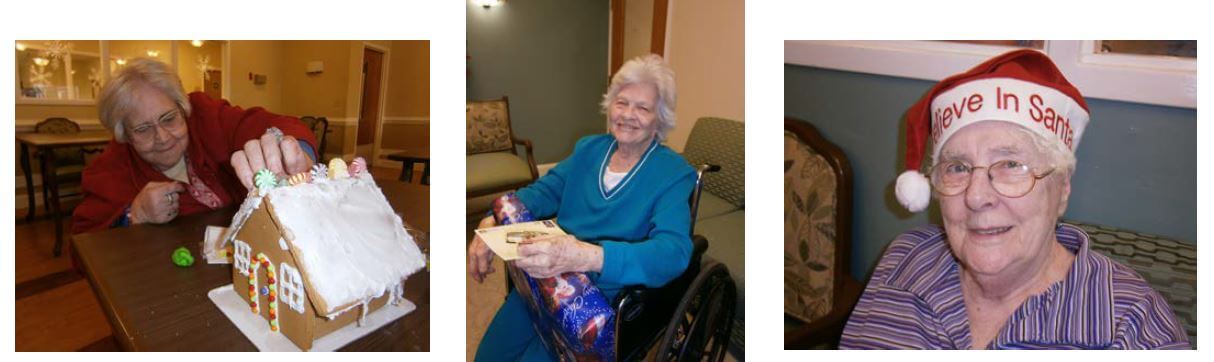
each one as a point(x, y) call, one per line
point(322, 94)
point(638, 28)
point(409, 79)
point(706, 50)
point(334, 93)
point(258, 57)
point(28, 115)
point(407, 106)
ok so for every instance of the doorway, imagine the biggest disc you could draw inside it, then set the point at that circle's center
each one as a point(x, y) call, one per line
point(368, 114)
point(638, 27)
point(213, 84)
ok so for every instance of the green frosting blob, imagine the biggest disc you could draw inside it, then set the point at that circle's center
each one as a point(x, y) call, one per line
point(182, 257)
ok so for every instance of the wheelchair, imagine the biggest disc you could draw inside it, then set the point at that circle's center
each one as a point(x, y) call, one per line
point(689, 318)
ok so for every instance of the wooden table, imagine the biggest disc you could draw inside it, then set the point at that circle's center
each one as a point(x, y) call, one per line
point(409, 158)
point(47, 143)
point(154, 305)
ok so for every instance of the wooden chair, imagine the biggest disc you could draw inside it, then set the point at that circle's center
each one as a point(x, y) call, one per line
point(819, 291)
point(69, 162)
point(494, 164)
point(320, 128)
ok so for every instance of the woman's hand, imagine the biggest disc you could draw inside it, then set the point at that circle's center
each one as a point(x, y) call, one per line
point(156, 203)
point(284, 158)
point(553, 255)
point(480, 257)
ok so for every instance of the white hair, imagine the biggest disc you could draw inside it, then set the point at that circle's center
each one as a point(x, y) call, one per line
point(1058, 155)
point(117, 100)
point(646, 69)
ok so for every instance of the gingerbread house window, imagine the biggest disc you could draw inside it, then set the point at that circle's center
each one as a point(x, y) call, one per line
point(290, 289)
point(243, 253)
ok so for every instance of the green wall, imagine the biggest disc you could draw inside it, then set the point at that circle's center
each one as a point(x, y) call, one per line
point(550, 58)
point(1136, 163)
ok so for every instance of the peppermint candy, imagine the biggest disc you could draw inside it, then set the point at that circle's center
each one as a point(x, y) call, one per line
point(320, 171)
point(300, 178)
point(359, 165)
point(265, 179)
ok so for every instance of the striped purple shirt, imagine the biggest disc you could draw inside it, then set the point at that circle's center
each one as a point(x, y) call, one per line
point(914, 302)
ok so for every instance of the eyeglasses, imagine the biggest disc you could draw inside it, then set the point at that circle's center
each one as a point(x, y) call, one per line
point(171, 121)
point(1008, 177)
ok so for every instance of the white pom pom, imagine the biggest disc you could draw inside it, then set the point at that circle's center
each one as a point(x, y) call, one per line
point(913, 191)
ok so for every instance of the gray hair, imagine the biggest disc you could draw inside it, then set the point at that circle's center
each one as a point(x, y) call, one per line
point(1058, 155)
point(1061, 158)
point(646, 69)
point(116, 102)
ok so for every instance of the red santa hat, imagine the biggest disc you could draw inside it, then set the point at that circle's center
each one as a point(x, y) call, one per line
point(1022, 87)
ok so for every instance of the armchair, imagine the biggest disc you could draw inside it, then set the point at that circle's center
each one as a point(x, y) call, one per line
point(819, 291)
point(494, 164)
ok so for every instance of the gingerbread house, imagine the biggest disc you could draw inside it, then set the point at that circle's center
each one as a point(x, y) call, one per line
point(318, 253)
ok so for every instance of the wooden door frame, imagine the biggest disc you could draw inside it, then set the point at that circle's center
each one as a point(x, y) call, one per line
point(657, 40)
point(383, 99)
point(226, 54)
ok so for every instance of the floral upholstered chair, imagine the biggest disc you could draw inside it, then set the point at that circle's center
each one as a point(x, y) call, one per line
point(819, 291)
point(494, 164)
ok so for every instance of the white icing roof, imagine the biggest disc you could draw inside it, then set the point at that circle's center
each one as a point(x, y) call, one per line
point(349, 242)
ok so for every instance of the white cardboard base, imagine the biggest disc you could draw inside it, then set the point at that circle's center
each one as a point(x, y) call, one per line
point(257, 330)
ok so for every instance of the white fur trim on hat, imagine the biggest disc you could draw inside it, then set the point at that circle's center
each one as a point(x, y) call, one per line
point(913, 191)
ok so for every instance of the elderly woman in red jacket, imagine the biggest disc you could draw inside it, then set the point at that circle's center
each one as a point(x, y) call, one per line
point(174, 154)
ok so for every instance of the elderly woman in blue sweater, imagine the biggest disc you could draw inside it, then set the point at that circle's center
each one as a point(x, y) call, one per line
point(622, 198)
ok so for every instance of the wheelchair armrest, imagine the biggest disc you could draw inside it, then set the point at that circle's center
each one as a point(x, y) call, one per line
point(698, 189)
point(631, 300)
point(535, 173)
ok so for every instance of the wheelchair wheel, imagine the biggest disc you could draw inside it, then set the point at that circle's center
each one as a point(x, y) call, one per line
point(701, 326)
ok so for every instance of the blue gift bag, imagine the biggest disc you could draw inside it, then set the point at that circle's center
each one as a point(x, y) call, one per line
point(569, 312)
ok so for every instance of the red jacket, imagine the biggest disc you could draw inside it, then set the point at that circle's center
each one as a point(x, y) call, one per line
point(217, 129)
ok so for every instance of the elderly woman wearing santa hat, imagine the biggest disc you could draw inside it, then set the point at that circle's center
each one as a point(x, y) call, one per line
point(1002, 272)
point(177, 154)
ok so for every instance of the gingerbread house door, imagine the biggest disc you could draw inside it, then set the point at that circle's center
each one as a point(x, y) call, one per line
point(262, 278)
point(263, 289)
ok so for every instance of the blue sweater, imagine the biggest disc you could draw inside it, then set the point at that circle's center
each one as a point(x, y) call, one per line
point(643, 224)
